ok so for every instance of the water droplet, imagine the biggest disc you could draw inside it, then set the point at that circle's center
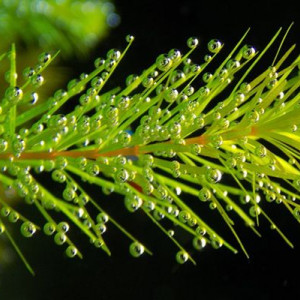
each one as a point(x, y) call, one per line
point(7, 76)
point(63, 227)
point(207, 77)
point(69, 194)
point(92, 169)
point(207, 58)
point(60, 238)
point(204, 91)
point(175, 128)
point(177, 75)
point(199, 243)
point(171, 232)
point(182, 257)
point(129, 38)
point(28, 229)
point(261, 151)
point(216, 244)
point(96, 83)
point(3, 145)
point(204, 194)
point(109, 64)
point(232, 64)
point(200, 230)
point(216, 141)
point(245, 88)
point(132, 203)
point(13, 95)
point(37, 80)
point(148, 82)
point(296, 213)
point(184, 216)
point(28, 72)
point(124, 138)
point(195, 68)
point(213, 175)
point(58, 176)
point(100, 227)
point(102, 218)
point(49, 228)
point(131, 79)
point(44, 57)
point(13, 217)
point(245, 199)
point(196, 149)
point(239, 98)
point(61, 162)
point(192, 42)
point(254, 116)
point(71, 251)
point(33, 98)
point(158, 215)
point(113, 54)
point(212, 205)
point(5, 211)
point(83, 199)
point(18, 145)
point(254, 211)
point(99, 62)
point(270, 197)
point(136, 249)
point(170, 95)
point(163, 63)
point(214, 46)
point(174, 55)
point(272, 83)
point(248, 52)
point(122, 175)
point(294, 128)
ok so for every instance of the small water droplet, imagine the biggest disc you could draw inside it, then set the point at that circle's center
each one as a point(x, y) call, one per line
point(28, 229)
point(192, 42)
point(182, 257)
point(214, 46)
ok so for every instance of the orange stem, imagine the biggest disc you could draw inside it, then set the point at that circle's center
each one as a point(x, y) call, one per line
point(93, 154)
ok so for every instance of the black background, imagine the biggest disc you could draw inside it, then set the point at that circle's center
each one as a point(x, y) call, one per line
point(272, 272)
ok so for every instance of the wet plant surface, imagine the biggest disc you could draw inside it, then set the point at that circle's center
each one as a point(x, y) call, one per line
point(196, 146)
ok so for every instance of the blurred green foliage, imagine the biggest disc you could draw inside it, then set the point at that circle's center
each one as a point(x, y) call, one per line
point(71, 26)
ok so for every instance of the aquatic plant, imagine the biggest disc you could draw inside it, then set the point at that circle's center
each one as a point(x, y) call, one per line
point(72, 26)
point(225, 138)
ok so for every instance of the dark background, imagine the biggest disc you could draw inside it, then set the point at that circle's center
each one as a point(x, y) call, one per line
point(272, 272)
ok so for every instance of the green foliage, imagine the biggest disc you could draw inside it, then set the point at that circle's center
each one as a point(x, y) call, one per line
point(72, 26)
point(164, 136)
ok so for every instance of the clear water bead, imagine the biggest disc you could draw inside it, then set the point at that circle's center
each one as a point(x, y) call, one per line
point(60, 238)
point(49, 228)
point(214, 46)
point(13, 94)
point(204, 194)
point(136, 249)
point(213, 175)
point(248, 52)
point(182, 257)
point(71, 251)
point(44, 57)
point(199, 243)
point(192, 42)
point(28, 229)
point(129, 38)
point(163, 63)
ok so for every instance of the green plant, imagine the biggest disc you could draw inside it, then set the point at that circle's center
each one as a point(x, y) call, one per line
point(163, 135)
point(73, 26)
